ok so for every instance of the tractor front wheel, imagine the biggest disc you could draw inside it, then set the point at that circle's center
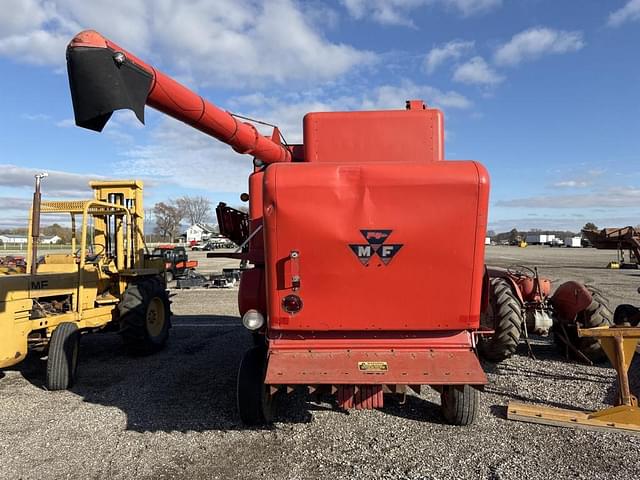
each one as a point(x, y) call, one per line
point(459, 404)
point(62, 361)
point(505, 317)
point(145, 316)
point(255, 404)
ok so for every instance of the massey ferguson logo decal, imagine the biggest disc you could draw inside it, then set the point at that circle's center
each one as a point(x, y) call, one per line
point(375, 246)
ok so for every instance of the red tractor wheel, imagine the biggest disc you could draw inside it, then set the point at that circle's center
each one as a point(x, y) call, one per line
point(504, 316)
point(597, 314)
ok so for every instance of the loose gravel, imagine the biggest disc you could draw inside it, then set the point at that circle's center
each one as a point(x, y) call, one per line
point(172, 415)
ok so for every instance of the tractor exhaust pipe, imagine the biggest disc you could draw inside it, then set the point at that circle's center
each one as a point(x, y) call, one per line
point(35, 223)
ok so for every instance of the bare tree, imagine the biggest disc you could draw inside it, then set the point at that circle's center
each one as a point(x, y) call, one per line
point(196, 209)
point(168, 217)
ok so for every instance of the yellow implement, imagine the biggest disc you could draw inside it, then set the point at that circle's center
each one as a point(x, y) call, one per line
point(619, 343)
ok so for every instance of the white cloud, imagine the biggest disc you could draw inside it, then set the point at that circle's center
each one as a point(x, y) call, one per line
point(20, 15)
point(536, 42)
point(440, 54)
point(58, 183)
point(477, 71)
point(622, 197)
point(227, 42)
point(177, 148)
point(629, 13)
point(398, 12)
point(393, 96)
point(572, 184)
point(472, 7)
point(35, 117)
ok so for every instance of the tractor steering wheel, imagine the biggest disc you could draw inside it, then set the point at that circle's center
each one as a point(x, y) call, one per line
point(97, 250)
point(521, 271)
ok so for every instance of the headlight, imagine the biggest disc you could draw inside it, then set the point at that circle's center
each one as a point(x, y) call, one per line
point(253, 320)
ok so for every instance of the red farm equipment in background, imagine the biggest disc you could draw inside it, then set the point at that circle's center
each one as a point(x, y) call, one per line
point(521, 302)
point(352, 289)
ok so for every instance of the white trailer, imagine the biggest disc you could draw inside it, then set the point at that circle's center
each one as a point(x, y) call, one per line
point(536, 239)
point(574, 242)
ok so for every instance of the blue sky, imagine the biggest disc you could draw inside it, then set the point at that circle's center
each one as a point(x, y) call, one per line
point(545, 93)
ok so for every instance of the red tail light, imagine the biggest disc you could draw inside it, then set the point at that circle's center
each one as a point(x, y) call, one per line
point(292, 303)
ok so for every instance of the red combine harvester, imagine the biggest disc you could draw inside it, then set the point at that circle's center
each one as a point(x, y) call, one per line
point(353, 288)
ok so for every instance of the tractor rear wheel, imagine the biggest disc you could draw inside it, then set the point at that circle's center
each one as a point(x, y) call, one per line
point(62, 361)
point(145, 316)
point(505, 317)
point(597, 314)
point(459, 404)
point(255, 404)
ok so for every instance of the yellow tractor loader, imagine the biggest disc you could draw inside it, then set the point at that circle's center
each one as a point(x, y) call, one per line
point(104, 283)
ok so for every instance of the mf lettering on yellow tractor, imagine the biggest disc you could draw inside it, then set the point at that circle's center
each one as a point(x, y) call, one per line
point(39, 284)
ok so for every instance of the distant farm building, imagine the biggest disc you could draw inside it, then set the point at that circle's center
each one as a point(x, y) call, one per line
point(200, 232)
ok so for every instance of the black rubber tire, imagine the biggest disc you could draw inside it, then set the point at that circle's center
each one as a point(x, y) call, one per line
point(137, 318)
point(507, 322)
point(255, 405)
point(459, 404)
point(258, 339)
point(597, 314)
point(626, 313)
point(62, 361)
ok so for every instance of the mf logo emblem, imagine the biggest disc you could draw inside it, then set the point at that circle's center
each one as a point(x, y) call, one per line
point(375, 246)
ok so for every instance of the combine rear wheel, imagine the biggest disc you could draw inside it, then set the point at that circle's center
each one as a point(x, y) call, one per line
point(505, 317)
point(255, 404)
point(597, 314)
point(459, 404)
point(62, 361)
point(145, 316)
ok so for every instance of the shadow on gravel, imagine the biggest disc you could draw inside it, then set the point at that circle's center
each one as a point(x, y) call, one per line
point(414, 408)
point(499, 411)
point(611, 397)
point(522, 398)
point(189, 386)
point(517, 371)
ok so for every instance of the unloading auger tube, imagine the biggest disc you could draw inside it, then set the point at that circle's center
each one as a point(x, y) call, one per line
point(104, 77)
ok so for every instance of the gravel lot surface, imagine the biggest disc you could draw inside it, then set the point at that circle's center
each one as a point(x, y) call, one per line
point(172, 415)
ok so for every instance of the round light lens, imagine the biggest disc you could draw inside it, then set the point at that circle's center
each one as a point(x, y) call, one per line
point(292, 303)
point(253, 320)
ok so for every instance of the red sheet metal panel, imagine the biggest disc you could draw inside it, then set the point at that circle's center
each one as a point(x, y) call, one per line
point(360, 367)
point(382, 246)
point(371, 340)
point(376, 136)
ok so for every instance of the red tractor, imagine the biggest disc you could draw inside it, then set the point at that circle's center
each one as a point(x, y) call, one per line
point(520, 303)
point(352, 290)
